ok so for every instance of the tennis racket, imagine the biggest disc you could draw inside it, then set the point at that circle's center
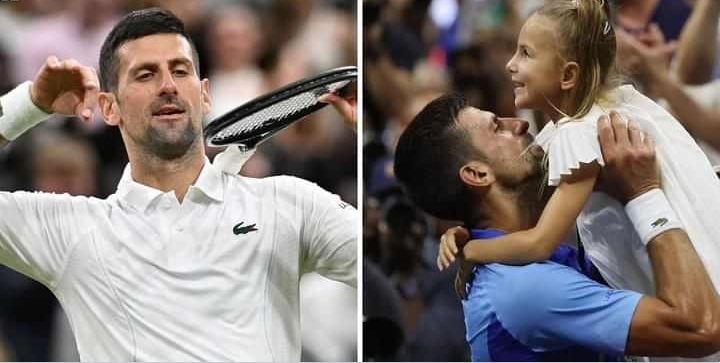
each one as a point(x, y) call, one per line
point(257, 120)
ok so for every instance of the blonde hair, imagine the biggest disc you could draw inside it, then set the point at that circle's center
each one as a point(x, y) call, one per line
point(586, 36)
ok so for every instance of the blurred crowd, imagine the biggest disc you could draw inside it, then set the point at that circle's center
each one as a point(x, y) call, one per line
point(417, 50)
point(246, 48)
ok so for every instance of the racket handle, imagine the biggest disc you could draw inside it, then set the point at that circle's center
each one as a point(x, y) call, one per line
point(232, 159)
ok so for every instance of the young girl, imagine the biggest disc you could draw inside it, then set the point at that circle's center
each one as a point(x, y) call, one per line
point(564, 66)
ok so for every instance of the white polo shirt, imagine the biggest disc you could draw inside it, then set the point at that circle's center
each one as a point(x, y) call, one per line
point(142, 277)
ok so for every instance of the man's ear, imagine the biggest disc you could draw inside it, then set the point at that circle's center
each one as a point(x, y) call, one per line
point(570, 74)
point(109, 109)
point(205, 89)
point(477, 174)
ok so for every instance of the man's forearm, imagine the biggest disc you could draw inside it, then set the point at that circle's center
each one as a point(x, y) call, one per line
point(698, 43)
point(18, 113)
point(681, 280)
point(683, 319)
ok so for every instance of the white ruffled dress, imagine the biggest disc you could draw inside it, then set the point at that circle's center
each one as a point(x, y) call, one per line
point(688, 180)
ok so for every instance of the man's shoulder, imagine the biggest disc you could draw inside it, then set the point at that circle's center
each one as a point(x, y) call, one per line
point(47, 197)
point(275, 183)
point(284, 189)
point(62, 206)
point(525, 271)
point(510, 284)
point(507, 289)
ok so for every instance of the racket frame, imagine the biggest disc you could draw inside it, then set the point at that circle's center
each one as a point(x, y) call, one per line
point(288, 91)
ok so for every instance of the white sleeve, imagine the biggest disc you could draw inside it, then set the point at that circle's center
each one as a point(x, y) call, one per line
point(35, 232)
point(574, 143)
point(569, 143)
point(18, 113)
point(329, 234)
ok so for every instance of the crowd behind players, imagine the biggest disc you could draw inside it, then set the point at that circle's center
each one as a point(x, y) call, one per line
point(246, 48)
point(416, 50)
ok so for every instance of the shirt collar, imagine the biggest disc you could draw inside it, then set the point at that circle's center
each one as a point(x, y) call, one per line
point(140, 196)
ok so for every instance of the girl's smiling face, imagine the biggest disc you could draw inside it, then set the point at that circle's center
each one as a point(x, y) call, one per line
point(536, 68)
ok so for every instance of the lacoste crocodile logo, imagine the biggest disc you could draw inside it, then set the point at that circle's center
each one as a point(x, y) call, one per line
point(659, 222)
point(240, 229)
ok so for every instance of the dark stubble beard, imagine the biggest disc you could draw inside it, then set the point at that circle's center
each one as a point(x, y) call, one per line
point(168, 144)
point(532, 196)
point(164, 146)
point(530, 192)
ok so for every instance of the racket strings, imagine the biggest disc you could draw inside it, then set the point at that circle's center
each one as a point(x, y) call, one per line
point(277, 112)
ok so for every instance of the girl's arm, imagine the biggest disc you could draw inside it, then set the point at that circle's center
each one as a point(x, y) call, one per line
point(538, 243)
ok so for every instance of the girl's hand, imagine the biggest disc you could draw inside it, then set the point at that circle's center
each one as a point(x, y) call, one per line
point(451, 244)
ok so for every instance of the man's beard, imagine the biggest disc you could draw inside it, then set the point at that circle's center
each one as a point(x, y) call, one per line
point(168, 144)
point(530, 192)
point(532, 195)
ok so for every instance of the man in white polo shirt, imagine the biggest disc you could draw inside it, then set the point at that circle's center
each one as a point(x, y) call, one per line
point(184, 262)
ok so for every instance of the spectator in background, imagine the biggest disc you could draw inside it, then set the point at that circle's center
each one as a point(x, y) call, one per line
point(234, 38)
point(325, 33)
point(383, 331)
point(402, 234)
point(63, 163)
point(76, 31)
point(194, 15)
point(253, 55)
point(436, 336)
point(70, 28)
point(370, 233)
point(636, 16)
point(477, 74)
point(696, 107)
point(397, 239)
point(698, 44)
point(430, 309)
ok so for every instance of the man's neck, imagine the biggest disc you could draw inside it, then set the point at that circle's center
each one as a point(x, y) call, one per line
point(168, 175)
point(508, 212)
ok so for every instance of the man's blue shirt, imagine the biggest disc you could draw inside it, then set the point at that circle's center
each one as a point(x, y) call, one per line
point(546, 311)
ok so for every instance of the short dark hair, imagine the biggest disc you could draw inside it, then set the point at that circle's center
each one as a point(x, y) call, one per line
point(135, 25)
point(429, 154)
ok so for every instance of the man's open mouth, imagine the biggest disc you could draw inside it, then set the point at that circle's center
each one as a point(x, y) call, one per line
point(168, 110)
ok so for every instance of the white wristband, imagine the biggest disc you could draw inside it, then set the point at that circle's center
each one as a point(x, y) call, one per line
point(18, 113)
point(651, 214)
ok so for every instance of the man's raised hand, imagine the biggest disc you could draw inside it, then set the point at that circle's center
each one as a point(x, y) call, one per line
point(66, 87)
